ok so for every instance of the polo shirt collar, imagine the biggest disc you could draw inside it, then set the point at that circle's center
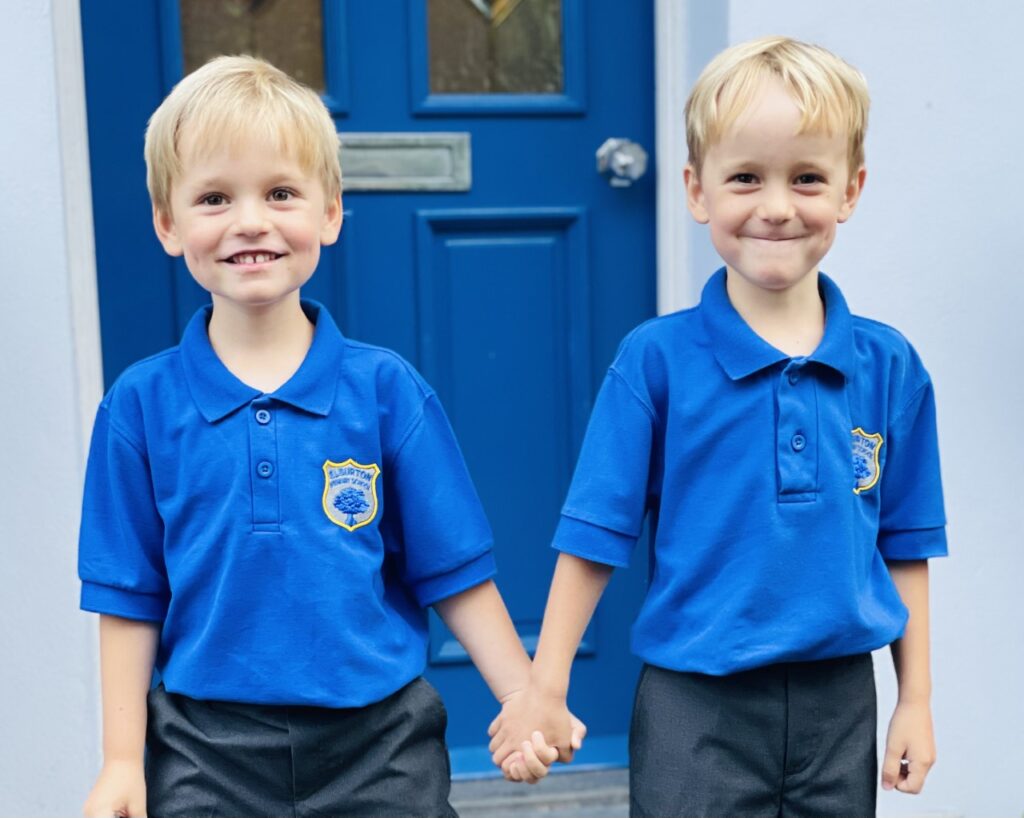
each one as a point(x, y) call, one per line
point(218, 393)
point(741, 352)
point(836, 347)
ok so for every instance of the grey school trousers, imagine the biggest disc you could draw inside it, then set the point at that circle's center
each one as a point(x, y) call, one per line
point(231, 760)
point(793, 740)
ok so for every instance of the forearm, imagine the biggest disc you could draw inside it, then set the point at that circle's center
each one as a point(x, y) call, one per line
point(910, 653)
point(575, 591)
point(481, 623)
point(127, 653)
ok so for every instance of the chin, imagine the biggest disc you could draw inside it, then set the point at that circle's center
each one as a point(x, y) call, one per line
point(256, 297)
point(778, 280)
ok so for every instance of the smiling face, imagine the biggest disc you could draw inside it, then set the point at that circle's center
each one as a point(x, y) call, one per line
point(772, 195)
point(249, 221)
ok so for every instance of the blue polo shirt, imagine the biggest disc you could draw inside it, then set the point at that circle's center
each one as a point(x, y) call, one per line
point(288, 542)
point(776, 487)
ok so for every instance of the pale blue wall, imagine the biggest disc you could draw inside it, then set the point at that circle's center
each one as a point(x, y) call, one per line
point(708, 34)
point(48, 695)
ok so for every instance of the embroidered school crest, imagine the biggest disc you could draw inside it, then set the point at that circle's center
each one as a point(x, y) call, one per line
point(350, 493)
point(866, 468)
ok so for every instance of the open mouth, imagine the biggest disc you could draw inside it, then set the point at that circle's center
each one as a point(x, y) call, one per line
point(261, 257)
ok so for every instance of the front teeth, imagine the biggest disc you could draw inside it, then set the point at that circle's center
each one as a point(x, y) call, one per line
point(254, 258)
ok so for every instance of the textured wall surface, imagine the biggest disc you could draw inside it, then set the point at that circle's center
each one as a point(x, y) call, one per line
point(48, 695)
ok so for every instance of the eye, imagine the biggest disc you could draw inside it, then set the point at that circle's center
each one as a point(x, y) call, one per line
point(744, 178)
point(213, 199)
point(808, 179)
point(281, 194)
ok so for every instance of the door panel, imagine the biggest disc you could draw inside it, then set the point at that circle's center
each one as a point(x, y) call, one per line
point(509, 286)
point(504, 334)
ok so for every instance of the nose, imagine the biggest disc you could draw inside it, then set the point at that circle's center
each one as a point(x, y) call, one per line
point(775, 205)
point(250, 218)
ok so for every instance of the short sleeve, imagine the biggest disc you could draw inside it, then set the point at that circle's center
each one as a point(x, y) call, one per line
point(120, 548)
point(912, 518)
point(604, 512)
point(436, 514)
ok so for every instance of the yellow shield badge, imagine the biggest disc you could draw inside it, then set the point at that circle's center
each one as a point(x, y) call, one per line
point(350, 493)
point(866, 467)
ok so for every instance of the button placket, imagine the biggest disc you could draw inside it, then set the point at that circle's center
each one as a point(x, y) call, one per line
point(266, 496)
point(796, 434)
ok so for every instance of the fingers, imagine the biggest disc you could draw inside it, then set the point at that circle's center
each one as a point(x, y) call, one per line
point(579, 732)
point(545, 754)
point(501, 753)
point(891, 766)
point(915, 773)
point(531, 762)
point(132, 810)
point(492, 728)
point(500, 746)
point(110, 811)
point(532, 769)
point(498, 737)
point(537, 758)
point(510, 768)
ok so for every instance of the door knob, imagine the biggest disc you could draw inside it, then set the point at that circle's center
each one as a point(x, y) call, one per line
point(621, 161)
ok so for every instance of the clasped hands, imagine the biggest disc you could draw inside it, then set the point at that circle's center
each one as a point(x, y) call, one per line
point(533, 730)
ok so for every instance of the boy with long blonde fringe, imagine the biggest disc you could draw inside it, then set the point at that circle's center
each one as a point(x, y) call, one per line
point(784, 452)
point(256, 521)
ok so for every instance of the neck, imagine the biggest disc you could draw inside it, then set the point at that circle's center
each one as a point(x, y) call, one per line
point(262, 347)
point(791, 320)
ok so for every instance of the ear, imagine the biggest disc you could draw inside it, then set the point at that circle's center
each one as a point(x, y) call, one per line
point(852, 194)
point(333, 217)
point(163, 223)
point(695, 194)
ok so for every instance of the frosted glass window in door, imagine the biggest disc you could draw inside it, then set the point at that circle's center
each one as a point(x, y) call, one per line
point(495, 46)
point(287, 33)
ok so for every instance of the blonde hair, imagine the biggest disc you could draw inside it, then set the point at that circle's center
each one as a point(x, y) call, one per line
point(231, 99)
point(831, 94)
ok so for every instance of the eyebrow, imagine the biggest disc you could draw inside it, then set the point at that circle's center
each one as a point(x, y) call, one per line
point(273, 181)
point(741, 165)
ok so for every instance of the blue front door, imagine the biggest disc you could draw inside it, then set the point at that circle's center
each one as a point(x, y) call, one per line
point(480, 242)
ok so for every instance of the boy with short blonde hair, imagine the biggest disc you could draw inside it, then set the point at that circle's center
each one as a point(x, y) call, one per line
point(785, 452)
point(234, 100)
point(256, 524)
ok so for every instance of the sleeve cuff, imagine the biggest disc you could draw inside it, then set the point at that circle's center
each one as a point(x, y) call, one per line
point(469, 574)
point(104, 599)
point(914, 544)
point(593, 542)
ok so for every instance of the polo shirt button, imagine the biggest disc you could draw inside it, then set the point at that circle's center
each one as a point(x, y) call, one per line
point(264, 468)
point(799, 442)
point(794, 377)
point(262, 417)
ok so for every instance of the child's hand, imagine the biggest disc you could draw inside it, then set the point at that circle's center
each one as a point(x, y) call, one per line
point(120, 790)
point(533, 761)
point(527, 711)
point(910, 738)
